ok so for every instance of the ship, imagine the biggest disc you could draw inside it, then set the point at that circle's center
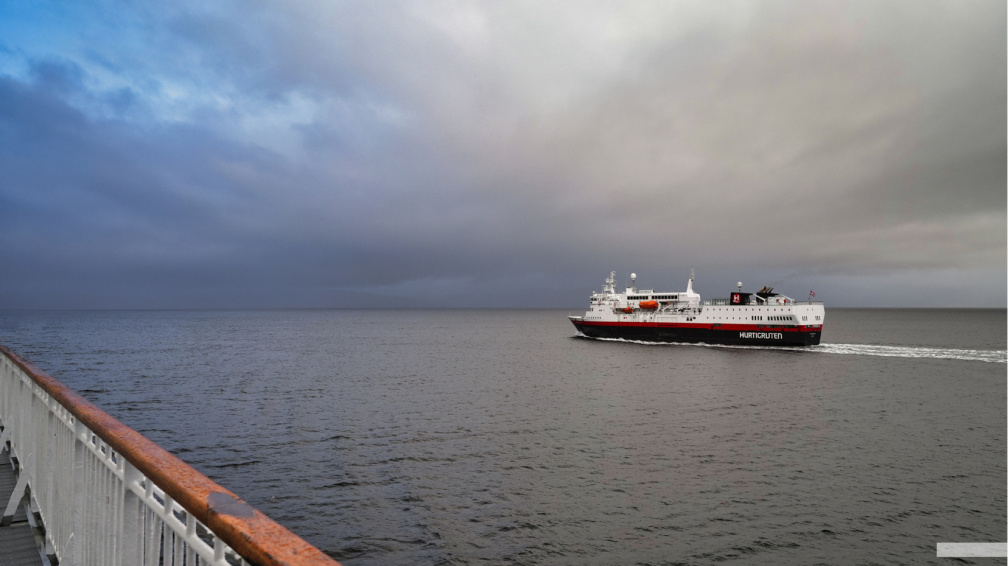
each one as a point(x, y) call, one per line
point(763, 318)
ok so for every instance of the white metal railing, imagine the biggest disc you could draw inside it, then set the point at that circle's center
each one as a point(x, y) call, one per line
point(727, 302)
point(107, 496)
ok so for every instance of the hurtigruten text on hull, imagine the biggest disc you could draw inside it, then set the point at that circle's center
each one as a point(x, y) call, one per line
point(758, 319)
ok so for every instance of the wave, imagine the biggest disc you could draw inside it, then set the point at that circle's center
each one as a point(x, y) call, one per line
point(989, 356)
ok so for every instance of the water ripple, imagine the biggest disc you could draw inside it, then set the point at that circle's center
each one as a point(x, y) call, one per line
point(485, 437)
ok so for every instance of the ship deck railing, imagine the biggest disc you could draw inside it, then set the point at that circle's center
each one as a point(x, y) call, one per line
point(99, 493)
point(727, 303)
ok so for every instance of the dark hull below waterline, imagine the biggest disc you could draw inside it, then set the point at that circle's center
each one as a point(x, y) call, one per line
point(774, 336)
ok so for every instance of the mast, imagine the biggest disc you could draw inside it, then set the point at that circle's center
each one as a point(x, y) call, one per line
point(610, 284)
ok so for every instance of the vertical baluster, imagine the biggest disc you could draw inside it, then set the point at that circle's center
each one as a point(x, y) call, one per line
point(132, 531)
point(97, 509)
point(153, 536)
point(20, 424)
point(108, 519)
point(74, 545)
point(166, 541)
point(117, 508)
point(149, 525)
point(57, 514)
point(44, 481)
point(39, 409)
point(64, 492)
point(152, 543)
point(179, 548)
point(108, 524)
point(94, 539)
point(218, 550)
point(99, 539)
point(69, 492)
point(111, 507)
point(191, 557)
point(120, 509)
point(47, 476)
point(86, 513)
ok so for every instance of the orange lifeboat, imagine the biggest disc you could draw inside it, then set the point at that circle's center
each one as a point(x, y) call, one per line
point(649, 305)
point(627, 309)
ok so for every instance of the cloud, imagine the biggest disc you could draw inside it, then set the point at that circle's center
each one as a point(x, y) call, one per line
point(295, 155)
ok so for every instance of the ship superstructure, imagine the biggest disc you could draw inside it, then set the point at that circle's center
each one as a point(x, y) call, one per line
point(761, 318)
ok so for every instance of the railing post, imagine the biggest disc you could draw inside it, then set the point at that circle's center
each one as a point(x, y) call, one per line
point(18, 438)
point(132, 520)
point(73, 554)
point(49, 472)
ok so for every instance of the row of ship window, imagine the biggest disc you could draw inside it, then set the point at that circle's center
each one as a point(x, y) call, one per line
point(750, 308)
point(768, 318)
point(653, 298)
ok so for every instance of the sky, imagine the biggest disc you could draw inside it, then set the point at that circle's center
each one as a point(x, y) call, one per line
point(301, 154)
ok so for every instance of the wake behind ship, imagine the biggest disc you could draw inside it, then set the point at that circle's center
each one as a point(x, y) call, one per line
point(763, 318)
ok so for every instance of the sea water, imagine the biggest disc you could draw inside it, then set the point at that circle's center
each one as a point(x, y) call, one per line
point(470, 436)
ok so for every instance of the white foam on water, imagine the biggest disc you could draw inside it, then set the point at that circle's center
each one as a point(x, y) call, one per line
point(991, 356)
